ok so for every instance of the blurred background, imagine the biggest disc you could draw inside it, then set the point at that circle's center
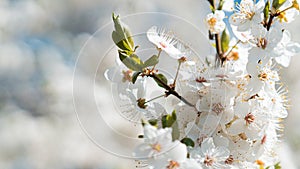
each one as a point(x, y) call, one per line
point(39, 44)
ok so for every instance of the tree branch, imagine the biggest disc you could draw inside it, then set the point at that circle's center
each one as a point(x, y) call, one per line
point(170, 90)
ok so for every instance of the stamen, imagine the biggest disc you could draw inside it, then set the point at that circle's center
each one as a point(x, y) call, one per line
point(208, 161)
point(200, 80)
point(264, 139)
point(162, 44)
point(156, 147)
point(212, 22)
point(173, 165)
point(218, 108)
point(127, 75)
point(249, 118)
point(229, 160)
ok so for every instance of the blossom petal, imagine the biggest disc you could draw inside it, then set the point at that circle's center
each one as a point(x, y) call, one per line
point(237, 127)
point(207, 145)
point(284, 60)
point(178, 152)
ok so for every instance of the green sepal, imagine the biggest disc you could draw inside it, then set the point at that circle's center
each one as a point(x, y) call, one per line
point(162, 78)
point(211, 2)
point(121, 35)
point(277, 166)
point(221, 3)
point(225, 39)
point(153, 60)
point(143, 122)
point(267, 11)
point(135, 76)
point(278, 3)
point(188, 142)
point(153, 122)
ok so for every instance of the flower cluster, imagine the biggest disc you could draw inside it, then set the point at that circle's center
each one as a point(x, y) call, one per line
point(230, 107)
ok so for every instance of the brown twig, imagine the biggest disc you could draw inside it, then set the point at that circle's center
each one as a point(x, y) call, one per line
point(170, 91)
point(219, 47)
point(270, 22)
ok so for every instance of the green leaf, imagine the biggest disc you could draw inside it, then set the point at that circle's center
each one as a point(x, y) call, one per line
point(225, 39)
point(278, 3)
point(120, 42)
point(153, 60)
point(135, 76)
point(267, 11)
point(170, 120)
point(121, 35)
point(136, 59)
point(188, 142)
point(130, 62)
point(163, 80)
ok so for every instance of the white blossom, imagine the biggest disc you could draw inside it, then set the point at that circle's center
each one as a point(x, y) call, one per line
point(156, 142)
point(214, 21)
point(163, 41)
point(247, 15)
point(210, 156)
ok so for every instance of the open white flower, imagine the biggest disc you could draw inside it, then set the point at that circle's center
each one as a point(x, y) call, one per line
point(275, 43)
point(214, 21)
point(262, 78)
point(163, 41)
point(156, 142)
point(249, 121)
point(275, 102)
point(210, 156)
point(264, 42)
point(176, 158)
point(247, 15)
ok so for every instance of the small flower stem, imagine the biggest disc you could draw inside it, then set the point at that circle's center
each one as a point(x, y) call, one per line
point(232, 48)
point(177, 72)
point(219, 54)
point(159, 52)
point(155, 98)
point(272, 16)
point(218, 47)
point(286, 9)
